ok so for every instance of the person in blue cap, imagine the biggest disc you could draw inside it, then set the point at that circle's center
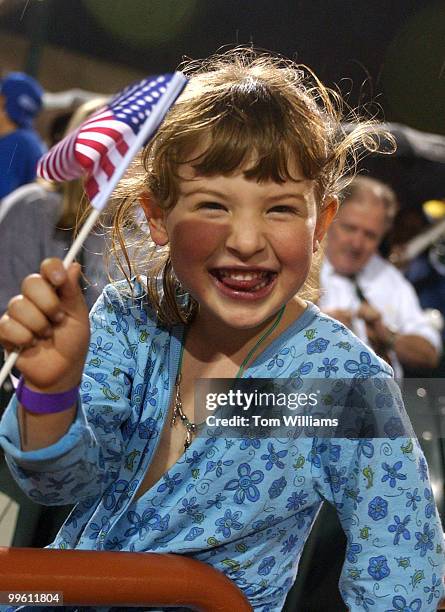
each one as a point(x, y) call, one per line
point(20, 145)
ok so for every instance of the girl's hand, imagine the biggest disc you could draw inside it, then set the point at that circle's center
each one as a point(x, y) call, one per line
point(49, 323)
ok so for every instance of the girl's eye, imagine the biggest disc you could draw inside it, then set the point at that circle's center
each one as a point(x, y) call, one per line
point(211, 206)
point(283, 208)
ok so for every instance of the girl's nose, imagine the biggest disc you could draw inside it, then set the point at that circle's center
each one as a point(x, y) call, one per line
point(245, 238)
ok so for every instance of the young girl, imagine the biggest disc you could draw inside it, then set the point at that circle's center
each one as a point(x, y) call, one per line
point(240, 184)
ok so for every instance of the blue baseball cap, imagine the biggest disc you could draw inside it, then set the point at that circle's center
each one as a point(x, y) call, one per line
point(23, 97)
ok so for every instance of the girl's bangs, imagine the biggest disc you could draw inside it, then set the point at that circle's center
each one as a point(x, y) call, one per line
point(261, 152)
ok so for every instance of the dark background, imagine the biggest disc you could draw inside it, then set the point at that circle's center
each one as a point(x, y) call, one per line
point(385, 56)
point(389, 51)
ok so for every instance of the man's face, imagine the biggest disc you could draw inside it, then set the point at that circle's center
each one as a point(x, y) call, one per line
point(355, 234)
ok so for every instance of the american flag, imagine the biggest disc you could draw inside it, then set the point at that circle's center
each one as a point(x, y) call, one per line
point(104, 145)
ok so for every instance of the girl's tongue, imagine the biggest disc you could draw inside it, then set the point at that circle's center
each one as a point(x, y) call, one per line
point(243, 281)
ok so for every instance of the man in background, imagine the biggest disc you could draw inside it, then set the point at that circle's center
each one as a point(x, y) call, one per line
point(367, 293)
point(20, 145)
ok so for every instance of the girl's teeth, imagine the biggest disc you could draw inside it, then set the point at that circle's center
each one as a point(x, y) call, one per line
point(249, 282)
point(243, 276)
point(261, 285)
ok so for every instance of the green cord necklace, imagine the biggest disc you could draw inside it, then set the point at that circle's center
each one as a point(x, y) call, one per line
point(178, 411)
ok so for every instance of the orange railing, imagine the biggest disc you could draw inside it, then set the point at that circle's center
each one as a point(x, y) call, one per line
point(91, 578)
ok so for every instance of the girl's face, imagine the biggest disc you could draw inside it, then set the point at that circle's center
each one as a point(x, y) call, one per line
point(240, 247)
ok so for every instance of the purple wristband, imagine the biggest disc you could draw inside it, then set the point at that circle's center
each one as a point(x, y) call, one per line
point(45, 403)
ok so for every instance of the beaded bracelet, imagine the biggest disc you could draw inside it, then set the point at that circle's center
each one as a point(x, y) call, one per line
point(45, 403)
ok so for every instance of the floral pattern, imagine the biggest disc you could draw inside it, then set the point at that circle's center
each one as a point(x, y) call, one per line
point(243, 505)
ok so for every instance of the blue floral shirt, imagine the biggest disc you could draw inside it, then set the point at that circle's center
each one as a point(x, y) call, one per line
point(244, 505)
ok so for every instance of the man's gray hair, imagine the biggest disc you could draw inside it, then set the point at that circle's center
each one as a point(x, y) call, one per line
point(363, 185)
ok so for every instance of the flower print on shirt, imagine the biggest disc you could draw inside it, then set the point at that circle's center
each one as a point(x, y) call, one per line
point(317, 346)
point(228, 522)
point(362, 369)
point(246, 484)
point(392, 473)
point(274, 457)
point(329, 366)
point(424, 540)
point(378, 508)
point(266, 566)
point(378, 567)
point(399, 527)
point(296, 501)
point(413, 499)
point(335, 477)
point(353, 551)
point(400, 604)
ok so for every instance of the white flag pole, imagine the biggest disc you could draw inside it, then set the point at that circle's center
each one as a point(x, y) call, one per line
point(172, 90)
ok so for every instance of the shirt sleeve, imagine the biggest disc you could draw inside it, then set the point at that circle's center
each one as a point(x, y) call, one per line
point(381, 490)
point(30, 157)
point(26, 149)
point(88, 457)
point(21, 234)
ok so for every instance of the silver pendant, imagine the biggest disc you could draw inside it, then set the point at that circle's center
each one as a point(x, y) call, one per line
point(190, 428)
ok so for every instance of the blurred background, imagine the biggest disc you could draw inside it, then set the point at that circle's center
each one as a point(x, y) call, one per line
point(386, 57)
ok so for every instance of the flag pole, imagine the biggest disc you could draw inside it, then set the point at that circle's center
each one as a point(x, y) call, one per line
point(81, 237)
point(172, 90)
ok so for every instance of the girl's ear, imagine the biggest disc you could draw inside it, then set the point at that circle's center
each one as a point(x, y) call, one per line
point(325, 218)
point(155, 216)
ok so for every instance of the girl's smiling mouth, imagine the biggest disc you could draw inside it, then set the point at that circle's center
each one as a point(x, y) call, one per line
point(244, 283)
